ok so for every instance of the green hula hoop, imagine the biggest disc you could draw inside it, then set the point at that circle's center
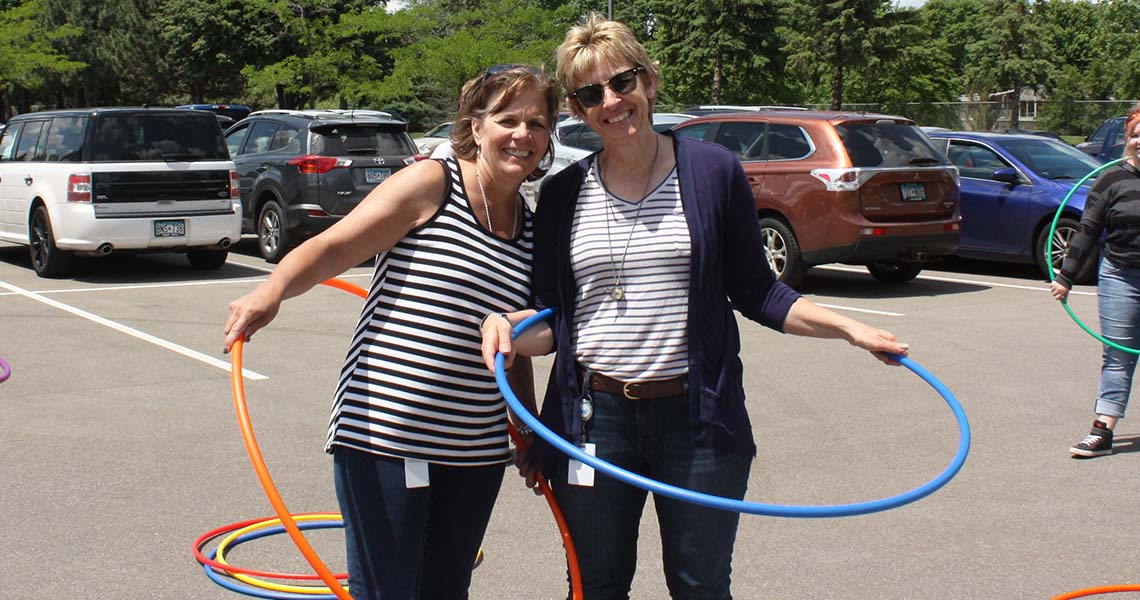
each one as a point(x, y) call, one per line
point(1049, 257)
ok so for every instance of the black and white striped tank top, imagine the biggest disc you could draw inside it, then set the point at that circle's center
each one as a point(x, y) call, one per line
point(413, 384)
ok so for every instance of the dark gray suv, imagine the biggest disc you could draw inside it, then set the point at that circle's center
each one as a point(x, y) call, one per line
point(299, 171)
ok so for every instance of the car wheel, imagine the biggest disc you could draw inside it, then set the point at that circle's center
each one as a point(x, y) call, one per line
point(782, 251)
point(1058, 247)
point(272, 238)
point(894, 272)
point(207, 259)
point(47, 259)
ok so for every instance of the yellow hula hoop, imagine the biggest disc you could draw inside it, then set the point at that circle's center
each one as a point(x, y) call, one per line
point(269, 585)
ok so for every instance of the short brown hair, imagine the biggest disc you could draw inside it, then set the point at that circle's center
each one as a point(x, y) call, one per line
point(598, 39)
point(477, 93)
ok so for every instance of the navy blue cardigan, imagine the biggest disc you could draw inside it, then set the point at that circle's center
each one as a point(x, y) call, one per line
point(727, 263)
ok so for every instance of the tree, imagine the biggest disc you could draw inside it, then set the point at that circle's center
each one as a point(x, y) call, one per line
point(1011, 54)
point(27, 58)
point(207, 43)
point(718, 51)
point(828, 38)
point(119, 42)
point(440, 49)
point(904, 77)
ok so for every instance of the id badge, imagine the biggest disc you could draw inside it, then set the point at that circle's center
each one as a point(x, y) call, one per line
point(579, 472)
point(415, 474)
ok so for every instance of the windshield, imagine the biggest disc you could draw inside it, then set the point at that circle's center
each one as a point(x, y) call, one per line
point(888, 145)
point(1050, 159)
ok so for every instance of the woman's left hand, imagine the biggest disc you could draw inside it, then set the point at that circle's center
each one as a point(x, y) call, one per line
point(878, 342)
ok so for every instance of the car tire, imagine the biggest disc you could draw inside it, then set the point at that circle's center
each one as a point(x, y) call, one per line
point(47, 259)
point(207, 259)
point(782, 251)
point(1066, 228)
point(895, 272)
point(273, 239)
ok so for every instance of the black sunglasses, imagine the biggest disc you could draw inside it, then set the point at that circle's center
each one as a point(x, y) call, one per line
point(623, 83)
point(496, 69)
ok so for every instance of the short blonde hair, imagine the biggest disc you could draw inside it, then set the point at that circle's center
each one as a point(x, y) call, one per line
point(594, 41)
point(475, 98)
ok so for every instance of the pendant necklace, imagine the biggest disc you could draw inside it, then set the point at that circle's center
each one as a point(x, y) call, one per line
point(487, 206)
point(617, 292)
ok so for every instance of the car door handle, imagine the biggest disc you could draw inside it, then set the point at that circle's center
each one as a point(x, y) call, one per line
point(28, 180)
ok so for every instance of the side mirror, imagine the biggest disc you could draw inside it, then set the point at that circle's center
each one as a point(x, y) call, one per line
point(1006, 175)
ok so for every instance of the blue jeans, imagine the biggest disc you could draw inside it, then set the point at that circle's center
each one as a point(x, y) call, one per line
point(411, 544)
point(1118, 298)
point(652, 438)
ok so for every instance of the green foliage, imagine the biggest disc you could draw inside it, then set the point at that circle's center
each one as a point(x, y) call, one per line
point(353, 53)
point(27, 56)
point(718, 51)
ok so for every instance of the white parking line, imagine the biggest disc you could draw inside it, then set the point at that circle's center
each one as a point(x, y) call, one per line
point(142, 286)
point(1036, 288)
point(214, 362)
point(861, 310)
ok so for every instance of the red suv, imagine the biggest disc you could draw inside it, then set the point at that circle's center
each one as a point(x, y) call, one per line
point(843, 187)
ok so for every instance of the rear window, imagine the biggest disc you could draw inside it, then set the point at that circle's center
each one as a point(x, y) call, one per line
point(155, 137)
point(362, 140)
point(887, 145)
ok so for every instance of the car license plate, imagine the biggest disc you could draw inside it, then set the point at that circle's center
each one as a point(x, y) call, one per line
point(376, 175)
point(171, 228)
point(912, 192)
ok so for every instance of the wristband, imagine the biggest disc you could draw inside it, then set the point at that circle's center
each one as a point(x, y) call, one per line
point(489, 315)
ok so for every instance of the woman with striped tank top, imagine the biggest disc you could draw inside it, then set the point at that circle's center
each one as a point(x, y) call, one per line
point(418, 431)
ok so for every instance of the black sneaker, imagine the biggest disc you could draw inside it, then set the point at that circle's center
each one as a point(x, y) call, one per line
point(1097, 443)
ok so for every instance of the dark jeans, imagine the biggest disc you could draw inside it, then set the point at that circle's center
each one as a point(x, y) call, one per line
point(652, 438)
point(411, 544)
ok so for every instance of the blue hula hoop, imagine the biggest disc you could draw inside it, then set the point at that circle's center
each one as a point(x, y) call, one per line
point(731, 504)
point(260, 592)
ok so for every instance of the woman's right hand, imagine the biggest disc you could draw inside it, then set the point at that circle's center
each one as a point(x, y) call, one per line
point(250, 313)
point(529, 469)
point(1059, 290)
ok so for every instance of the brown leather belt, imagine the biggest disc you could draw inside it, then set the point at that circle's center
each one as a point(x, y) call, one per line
point(639, 390)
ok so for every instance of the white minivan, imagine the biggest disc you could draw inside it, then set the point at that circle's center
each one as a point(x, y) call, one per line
point(94, 181)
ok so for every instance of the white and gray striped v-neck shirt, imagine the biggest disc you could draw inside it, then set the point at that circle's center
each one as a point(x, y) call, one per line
point(414, 384)
point(642, 335)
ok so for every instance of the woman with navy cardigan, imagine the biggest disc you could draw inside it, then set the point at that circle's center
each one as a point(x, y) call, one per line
point(644, 249)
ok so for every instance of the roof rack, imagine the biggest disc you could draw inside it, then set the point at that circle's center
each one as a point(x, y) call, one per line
point(728, 107)
point(328, 113)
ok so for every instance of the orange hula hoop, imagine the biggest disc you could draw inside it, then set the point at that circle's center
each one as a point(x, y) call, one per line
point(1097, 591)
point(263, 476)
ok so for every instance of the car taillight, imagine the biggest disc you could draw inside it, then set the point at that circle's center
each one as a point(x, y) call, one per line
point(311, 164)
point(415, 158)
point(234, 193)
point(842, 180)
point(79, 188)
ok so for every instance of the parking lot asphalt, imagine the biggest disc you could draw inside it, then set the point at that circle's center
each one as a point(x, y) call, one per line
point(119, 444)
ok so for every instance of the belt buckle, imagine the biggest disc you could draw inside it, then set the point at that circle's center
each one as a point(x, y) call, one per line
point(625, 390)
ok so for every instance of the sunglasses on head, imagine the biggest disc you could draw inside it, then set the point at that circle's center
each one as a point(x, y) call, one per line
point(623, 83)
point(496, 69)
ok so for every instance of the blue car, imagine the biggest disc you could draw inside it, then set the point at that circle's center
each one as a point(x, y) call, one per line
point(1011, 186)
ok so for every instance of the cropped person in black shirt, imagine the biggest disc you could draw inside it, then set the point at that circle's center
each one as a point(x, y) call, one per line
point(1113, 206)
